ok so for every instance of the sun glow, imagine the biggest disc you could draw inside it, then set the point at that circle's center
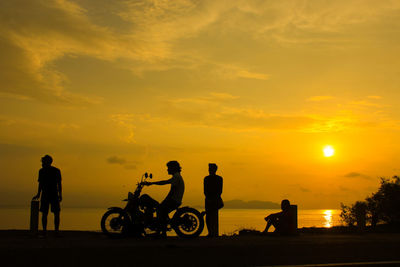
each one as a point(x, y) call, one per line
point(329, 151)
point(328, 218)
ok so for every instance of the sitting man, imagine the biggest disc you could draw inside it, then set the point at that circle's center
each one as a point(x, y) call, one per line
point(283, 222)
point(174, 197)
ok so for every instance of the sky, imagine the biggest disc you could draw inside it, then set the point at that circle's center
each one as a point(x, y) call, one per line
point(113, 89)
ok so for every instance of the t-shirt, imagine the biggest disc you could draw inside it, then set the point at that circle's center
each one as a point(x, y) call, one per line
point(49, 178)
point(213, 186)
point(177, 188)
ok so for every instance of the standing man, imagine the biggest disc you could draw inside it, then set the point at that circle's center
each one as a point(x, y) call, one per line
point(174, 197)
point(213, 191)
point(50, 189)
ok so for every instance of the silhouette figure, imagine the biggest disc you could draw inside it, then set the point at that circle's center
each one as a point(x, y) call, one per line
point(174, 197)
point(137, 217)
point(213, 201)
point(284, 221)
point(50, 190)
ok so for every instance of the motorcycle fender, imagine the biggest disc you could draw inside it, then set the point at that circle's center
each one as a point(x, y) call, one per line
point(203, 213)
point(116, 208)
point(121, 210)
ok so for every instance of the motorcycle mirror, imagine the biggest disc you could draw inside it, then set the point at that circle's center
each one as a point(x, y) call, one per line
point(146, 175)
point(151, 175)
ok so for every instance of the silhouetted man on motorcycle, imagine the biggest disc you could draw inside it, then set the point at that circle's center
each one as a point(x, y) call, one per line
point(174, 197)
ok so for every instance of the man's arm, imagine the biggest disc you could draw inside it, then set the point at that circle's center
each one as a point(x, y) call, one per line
point(205, 187)
point(274, 215)
point(39, 189)
point(163, 182)
point(59, 187)
point(220, 186)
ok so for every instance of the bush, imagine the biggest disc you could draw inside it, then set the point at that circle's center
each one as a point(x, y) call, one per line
point(356, 214)
point(382, 206)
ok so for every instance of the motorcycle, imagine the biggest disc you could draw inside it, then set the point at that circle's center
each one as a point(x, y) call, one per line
point(138, 217)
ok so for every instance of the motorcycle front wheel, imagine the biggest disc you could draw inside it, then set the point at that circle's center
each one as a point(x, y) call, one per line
point(188, 222)
point(114, 223)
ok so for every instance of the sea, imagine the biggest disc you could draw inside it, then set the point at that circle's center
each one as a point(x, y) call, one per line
point(231, 220)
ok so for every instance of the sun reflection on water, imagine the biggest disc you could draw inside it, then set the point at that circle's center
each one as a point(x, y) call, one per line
point(328, 218)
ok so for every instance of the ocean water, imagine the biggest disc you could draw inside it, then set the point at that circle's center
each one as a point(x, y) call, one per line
point(231, 220)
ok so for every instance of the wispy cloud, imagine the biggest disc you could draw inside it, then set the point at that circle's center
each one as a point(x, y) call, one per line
point(214, 111)
point(319, 98)
point(116, 160)
point(211, 98)
point(374, 97)
point(126, 121)
point(130, 165)
point(252, 75)
point(366, 104)
point(35, 34)
point(356, 175)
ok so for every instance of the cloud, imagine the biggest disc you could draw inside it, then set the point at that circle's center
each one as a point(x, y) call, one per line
point(252, 75)
point(319, 98)
point(344, 189)
point(116, 160)
point(223, 111)
point(305, 190)
point(222, 96)
point(356, 175)
point(211, 98)
point(27, 130)
point(210, 112)
point(150, 35)
point(129, 165)
point(374, 97)
point(34, 34)
point(14, 96)
point(366, 104)
point(126, 122)
point(333, 123)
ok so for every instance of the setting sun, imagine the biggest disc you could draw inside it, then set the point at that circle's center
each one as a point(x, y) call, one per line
point(329, 151)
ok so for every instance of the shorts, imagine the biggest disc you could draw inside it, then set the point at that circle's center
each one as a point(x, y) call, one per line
point(45, 202)
point(168, 205)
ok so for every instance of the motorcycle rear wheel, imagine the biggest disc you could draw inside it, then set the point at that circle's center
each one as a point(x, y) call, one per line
point(188, 222)
point(114, 223)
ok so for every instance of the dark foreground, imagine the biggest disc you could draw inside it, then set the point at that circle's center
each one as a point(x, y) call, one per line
point(74, 248)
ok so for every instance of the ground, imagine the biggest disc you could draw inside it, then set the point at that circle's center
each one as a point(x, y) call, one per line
point(78, 248)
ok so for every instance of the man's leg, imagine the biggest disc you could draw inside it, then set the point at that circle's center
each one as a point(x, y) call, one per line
point(208, 222)
point(55, 209)
point(56, 221)
point(216, 223)
point(44, 221)
point(270, 222)
point(212, 222)
point(162, 216)
point(44, 208)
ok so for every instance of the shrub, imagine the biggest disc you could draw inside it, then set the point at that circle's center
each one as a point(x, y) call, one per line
point(381, 206)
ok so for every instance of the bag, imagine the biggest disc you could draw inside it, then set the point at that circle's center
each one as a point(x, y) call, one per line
point(214, 203)
point(220, 204)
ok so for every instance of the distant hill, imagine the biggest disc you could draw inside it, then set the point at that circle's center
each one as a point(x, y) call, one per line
point(252, 204)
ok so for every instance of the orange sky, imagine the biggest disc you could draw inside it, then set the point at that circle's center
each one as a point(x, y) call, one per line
point(112, 89)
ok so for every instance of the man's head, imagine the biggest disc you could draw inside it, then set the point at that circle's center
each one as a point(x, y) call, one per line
point(212, 168)
point(285, 204)
point(47, 160)
point(173, 167)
